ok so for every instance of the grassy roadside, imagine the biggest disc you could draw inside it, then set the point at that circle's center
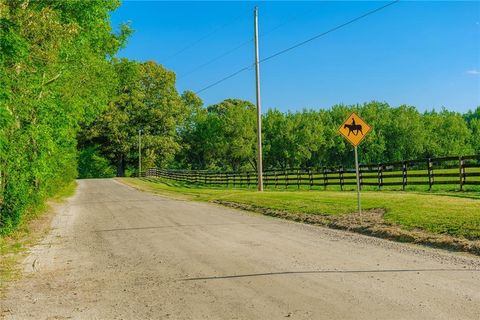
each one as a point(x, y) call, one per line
point(447, 217)
point(33, 228)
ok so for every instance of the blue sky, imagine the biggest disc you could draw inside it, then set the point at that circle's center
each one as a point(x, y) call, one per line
point(425, 54)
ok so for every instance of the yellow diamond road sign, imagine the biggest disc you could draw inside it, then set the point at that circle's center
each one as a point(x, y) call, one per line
point(354, 129)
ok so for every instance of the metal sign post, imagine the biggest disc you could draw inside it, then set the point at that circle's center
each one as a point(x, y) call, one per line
point(357, 171)
point(354, 130)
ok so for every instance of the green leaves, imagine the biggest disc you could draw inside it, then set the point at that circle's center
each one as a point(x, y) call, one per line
point(146, 99)
point(220, 136)
point(54, 76)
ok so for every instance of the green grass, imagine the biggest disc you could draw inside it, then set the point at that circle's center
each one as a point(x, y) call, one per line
point(452, 213)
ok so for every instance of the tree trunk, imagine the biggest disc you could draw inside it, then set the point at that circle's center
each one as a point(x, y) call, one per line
point(120, 166)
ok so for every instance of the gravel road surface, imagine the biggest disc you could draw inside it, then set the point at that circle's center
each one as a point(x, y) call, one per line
point(118, 253)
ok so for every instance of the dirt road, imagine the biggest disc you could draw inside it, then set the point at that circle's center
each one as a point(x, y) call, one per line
point(117, 253)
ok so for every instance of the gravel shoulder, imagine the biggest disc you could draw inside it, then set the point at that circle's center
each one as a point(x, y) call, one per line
point(118, 253)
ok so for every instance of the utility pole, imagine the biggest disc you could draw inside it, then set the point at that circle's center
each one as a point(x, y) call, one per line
point(259, 110)
point(139, 152)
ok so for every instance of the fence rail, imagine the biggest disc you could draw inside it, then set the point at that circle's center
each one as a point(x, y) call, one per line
point(459, 170)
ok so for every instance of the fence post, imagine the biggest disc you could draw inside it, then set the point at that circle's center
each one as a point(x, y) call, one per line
point(340, 176)
point(298, 178)
point(310, 177)
point(404, 175)
point(360, 176)
point(430, 173)
point(462, 172)
point(325, 178)
point(276, 179)
point(285, 178)
point(380, 176)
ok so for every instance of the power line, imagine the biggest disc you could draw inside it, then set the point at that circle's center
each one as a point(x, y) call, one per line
point(300, 44)
point(226, 78)
point(329, 31)
point(236, 48)
point(215, 59)
point(202, 38)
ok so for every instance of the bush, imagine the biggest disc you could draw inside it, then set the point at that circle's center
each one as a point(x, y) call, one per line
point(92, 165)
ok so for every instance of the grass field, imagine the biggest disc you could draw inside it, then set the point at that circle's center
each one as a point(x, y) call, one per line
point(449, 213)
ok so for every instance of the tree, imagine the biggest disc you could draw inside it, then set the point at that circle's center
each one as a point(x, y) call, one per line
point(447, 134)
point(191, 155)
point(145, 99)
point(293, 139)
point(91, 164)
point(473, 121)
point(233, 123)
point(221, 136)
point(276, 140)
point(54, 75)
point(405, 135)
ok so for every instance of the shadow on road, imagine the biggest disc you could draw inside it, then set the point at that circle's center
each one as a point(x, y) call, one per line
point(185, 225)
point(326, 272)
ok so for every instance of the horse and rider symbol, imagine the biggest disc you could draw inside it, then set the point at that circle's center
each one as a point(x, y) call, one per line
point(353, 128)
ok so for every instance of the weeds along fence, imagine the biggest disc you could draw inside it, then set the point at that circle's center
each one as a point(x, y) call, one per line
point(458, 171)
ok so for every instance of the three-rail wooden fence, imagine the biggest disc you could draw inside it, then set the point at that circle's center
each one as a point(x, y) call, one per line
point(460, 170)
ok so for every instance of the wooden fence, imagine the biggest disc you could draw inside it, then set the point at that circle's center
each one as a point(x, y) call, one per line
point(461, 171)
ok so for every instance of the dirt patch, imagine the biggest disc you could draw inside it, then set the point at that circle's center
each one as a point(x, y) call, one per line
point(16, 246)
point(369, 222)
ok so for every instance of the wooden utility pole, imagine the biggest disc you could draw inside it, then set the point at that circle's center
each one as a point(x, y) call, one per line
point(139, 152)
point(259, 110)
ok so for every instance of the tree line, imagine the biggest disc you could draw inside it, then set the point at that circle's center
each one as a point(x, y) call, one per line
point(223, 136)
point(56, 76)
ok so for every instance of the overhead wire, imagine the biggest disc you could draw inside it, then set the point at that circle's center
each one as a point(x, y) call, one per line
point(328, 31)
point(201, 66)
point(226, 53)
point(194, 43)
point(300, 44)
